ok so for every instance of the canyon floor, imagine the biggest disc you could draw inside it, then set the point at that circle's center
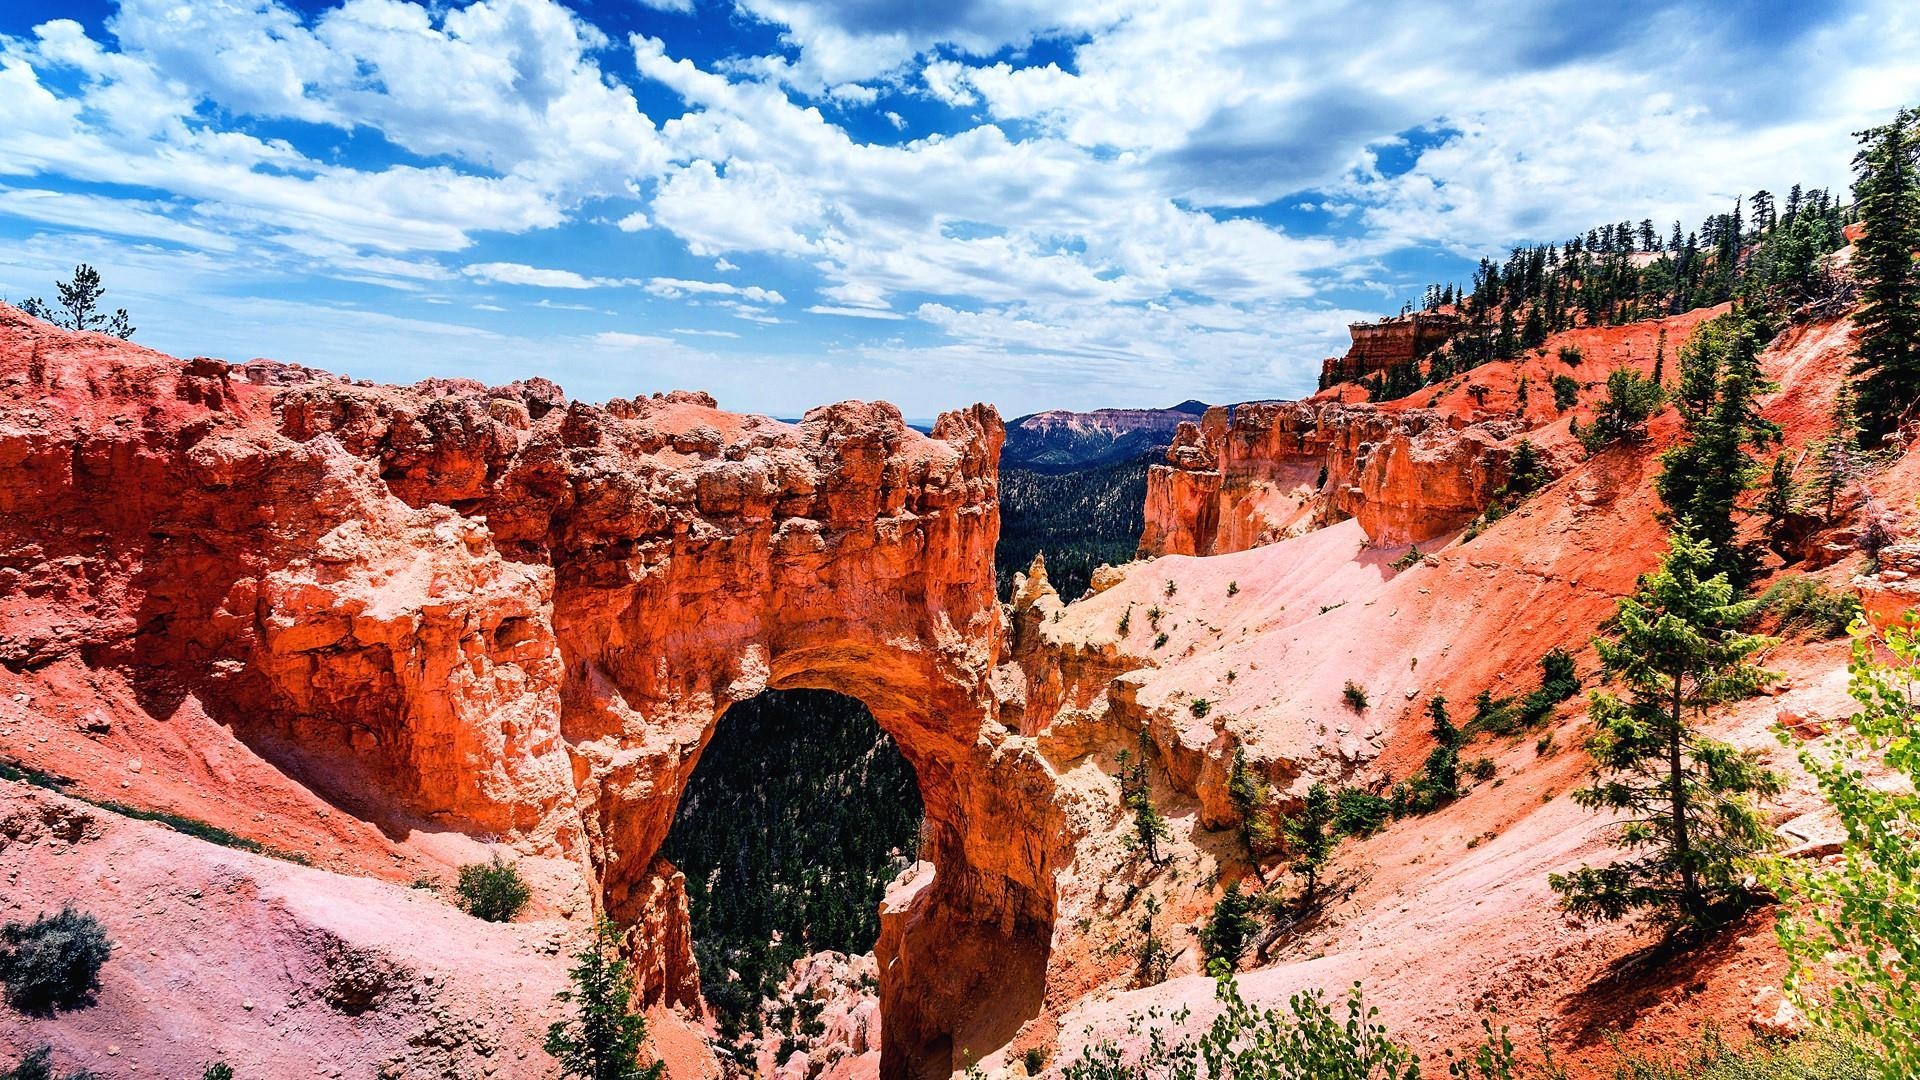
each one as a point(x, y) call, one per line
point(384, 632)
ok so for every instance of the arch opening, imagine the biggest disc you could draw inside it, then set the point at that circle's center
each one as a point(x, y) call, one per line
point(799, 813)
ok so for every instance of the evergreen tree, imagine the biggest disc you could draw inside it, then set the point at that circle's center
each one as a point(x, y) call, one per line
point(602, 1041)
point(80, 306)
point(1702, 479)
point(1781, 495)
point(1311, 839)
point(1249, 794)
point(1526, 473)
point(1151, 958)
point(1689, 824)
point(1622, 416)
point(1232, 927)
point(1887, 192)
point(1838, 460)
point(1136, 793)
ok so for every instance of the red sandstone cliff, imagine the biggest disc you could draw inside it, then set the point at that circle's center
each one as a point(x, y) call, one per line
point(454, 610)
point(1409, 470)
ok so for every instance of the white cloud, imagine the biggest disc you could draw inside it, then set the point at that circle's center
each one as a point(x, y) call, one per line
point(706, 333)
point(505, 273)
point(616, 339)
point(856, 312)
point(722, 266)
point(674, 288)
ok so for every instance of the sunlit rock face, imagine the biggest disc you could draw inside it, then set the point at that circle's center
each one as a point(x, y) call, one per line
point(496, 611)
point(1258, 473)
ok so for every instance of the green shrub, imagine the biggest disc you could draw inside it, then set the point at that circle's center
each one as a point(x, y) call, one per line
point(53, 962)
point(1233, 588)
point(38, 1065)
point(1409, 560)
point(1566, 392)
point(1160, 640)
point(1571, 355)
point(1822, 1057)
point(1481, 769)
point(1308, 1042)
point(1631, 401)
point(492, 890)
point(1359, 813)
point(1035, 1060)
point(1558, 682)
point(1805, 607)
point(219, 1070)
point(1495, 715)
point(1199, 707)
point(1355, 696)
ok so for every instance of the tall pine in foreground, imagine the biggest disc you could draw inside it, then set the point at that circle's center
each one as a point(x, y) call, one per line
point(1886, 191)
point(603, 1040)
point(1687, 820)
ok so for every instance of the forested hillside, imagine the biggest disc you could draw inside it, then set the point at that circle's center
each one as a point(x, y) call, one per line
point(798, 815)
point(1080, 518)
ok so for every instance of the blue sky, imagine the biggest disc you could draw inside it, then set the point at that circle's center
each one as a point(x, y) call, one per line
point(787, 202)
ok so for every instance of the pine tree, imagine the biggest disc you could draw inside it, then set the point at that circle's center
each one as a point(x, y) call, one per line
point(1780, 497)
point(1526, 473)
point(1136, 792)
point(1151, 958)
point(1838, 460)
point(1232, 927)
point(1311, 839)
point(1660, 359)
point(1689, 823)
point(1249, 795)
point(1887, 192)
point(80, 306)
point(603, 1040)
point(1702, 479)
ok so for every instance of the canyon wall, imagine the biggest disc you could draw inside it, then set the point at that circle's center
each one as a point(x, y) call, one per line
point(450, 608)
point(1257, 473)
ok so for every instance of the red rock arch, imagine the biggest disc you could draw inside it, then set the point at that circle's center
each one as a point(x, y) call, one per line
point(491, 610)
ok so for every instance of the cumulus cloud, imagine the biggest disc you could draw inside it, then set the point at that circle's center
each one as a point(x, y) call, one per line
point(1102, 200)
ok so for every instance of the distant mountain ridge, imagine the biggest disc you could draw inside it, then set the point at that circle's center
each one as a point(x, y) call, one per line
point(1063, 439)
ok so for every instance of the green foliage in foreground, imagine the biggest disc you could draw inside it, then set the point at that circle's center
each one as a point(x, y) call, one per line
point(1310, 1041)
point(1313, 1039)
point(1863, 916)
point(1711, 1058)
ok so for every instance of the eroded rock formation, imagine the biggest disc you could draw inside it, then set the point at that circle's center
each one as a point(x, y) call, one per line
point(1256, 473)
point(494, 611)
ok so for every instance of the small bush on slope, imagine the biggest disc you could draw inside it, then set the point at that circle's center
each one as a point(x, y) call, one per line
point(53, 962)
point(1825, 1058)
point(1310, 1041)
point(38, 1065)
point(493, 890)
